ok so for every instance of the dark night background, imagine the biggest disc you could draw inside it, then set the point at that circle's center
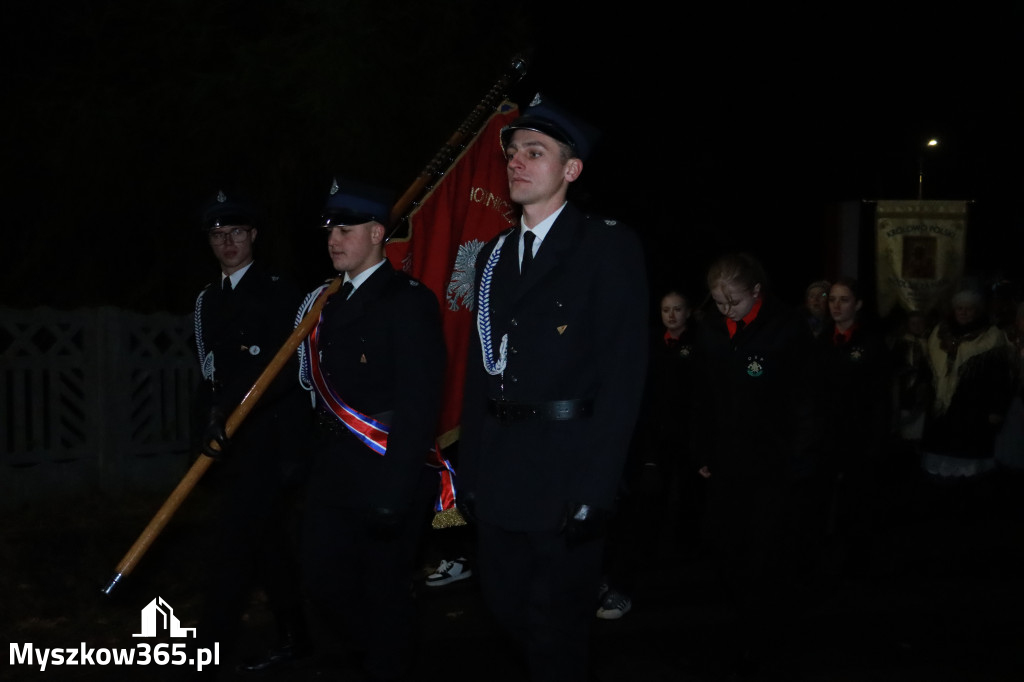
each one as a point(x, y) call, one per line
point(724, 128)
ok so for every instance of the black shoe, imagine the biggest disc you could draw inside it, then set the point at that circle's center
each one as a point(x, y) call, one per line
point(277, 658)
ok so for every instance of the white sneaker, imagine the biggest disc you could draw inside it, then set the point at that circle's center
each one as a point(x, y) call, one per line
point(614, 605)
point(449, 571)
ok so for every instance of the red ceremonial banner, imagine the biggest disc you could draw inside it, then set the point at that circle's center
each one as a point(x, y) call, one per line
point(463, 211)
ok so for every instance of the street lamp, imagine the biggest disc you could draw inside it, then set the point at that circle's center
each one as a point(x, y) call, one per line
point(930, 144)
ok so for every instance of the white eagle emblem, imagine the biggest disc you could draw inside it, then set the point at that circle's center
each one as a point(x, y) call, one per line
point(460, 287)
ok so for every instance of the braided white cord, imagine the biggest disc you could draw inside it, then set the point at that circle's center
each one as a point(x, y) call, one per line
point(197, 327)
point(305, 380)
point(483, 317)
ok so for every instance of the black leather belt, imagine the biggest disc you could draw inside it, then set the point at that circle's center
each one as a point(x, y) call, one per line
point(553, 410)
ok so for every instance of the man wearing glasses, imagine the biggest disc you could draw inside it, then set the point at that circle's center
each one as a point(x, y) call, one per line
point(241, 320)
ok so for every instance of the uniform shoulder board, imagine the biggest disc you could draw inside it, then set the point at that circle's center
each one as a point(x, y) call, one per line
point(401, 280)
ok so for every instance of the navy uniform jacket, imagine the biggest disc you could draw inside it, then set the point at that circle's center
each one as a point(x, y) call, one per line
point(576, 330)
point(383, 353)
point(243, 330)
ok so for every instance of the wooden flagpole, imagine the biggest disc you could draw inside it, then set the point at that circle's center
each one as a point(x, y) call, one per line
point(466, 131)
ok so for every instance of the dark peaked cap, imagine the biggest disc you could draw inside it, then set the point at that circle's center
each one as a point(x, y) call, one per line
point(224, 210)
point(544, 116)
point(353, 203)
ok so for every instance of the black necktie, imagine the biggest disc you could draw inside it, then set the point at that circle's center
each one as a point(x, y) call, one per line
point(226, 285)
point(528, 237)
point(346, 289)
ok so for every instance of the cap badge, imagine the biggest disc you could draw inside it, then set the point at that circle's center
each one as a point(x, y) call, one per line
point(221, 197)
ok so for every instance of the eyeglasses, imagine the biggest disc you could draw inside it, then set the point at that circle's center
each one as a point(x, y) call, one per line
point(237, 234)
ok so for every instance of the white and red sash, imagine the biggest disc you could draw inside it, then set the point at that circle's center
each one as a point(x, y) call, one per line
point(372, 433)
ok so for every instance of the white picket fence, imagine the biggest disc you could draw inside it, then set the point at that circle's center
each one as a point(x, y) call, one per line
point(93, 400)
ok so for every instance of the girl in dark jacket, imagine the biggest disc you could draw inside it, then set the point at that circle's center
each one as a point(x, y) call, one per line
point(752, 437)
point(854, 415)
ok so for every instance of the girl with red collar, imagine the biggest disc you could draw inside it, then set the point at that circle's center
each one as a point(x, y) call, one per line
point(855, 414)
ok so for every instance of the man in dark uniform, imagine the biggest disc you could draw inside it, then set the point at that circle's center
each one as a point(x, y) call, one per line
point(553, 387)
point(240, 323)
point(375, 362)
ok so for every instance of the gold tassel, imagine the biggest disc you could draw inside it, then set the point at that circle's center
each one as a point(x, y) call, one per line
point(448, 518)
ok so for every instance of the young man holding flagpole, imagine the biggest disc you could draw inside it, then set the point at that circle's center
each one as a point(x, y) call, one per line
point(375, 363)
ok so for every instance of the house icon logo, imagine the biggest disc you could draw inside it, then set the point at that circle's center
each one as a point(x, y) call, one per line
point(158, 618)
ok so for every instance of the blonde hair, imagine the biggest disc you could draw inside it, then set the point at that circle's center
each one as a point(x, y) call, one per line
point(736, 268)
